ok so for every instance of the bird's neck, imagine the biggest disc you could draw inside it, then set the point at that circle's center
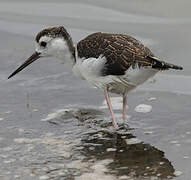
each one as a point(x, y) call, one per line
point(72, 52)
point(67, 53)
point(73, 57)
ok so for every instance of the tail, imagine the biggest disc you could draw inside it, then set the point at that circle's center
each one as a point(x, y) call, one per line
point(161, 65)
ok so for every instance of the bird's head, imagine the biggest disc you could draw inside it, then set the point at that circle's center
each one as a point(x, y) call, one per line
point(51, 42)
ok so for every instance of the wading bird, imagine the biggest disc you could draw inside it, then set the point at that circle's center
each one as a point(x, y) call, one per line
point(114, 63)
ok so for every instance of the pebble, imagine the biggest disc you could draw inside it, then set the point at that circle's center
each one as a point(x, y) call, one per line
point(152, 99)
point(3, 156)
point(21, 130)
point(75, 164)
point(17, 176)
point(177, 144)
point(186, 157)
point(124, 177)
point(110, 149)
point(91, 148)
point(143, 108)
point(99, 170)
point(9, 161)
point(35, 110)
point(178, 173)
point(44, 177)
point(25, 140)
point(49, 134)
point(161, 163)
point(61, 173)
point(173, 142)
point(154, 178)
point(7, 149)
point(1, 119)
point(7, 172)
point(123, 137)
point(148, 132)
point(65, 154)
point(55, 114)
point(8, 112)
point(133, 141)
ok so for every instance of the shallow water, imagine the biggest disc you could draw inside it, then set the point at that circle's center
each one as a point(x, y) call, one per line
point(53, 126)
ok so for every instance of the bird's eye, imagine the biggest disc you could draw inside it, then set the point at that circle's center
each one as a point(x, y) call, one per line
point(43, 44)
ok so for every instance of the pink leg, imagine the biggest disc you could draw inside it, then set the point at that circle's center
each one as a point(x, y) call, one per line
point(110, 109)
point(124, 108)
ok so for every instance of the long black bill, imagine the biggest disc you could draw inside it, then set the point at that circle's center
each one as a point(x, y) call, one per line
point(31, 59)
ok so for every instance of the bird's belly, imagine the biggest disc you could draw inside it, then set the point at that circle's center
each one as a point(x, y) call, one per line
point(138, 76)
point(119, 84)
point(114, 84)
point(124, 84)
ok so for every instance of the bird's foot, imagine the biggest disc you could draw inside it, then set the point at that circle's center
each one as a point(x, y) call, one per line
point(115, 125)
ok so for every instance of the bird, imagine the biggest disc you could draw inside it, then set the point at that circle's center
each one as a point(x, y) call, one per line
point(114, 63)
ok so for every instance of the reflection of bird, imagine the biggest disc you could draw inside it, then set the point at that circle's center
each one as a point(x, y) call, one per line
point(137, 160)
point(112, 62)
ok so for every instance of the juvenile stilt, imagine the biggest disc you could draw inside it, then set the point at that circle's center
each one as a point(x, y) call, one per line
point(115, 62)
point(110, 109)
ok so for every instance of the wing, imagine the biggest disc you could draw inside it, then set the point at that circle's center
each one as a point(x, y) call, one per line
point(121, 52)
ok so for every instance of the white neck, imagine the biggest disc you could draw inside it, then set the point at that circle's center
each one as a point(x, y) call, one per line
point(65, 55)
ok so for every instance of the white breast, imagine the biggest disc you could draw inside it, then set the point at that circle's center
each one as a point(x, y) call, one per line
point(88, 69)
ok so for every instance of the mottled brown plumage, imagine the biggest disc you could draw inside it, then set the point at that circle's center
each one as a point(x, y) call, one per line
point(121, 52)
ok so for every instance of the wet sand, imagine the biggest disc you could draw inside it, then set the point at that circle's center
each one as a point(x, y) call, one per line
point(53, 126)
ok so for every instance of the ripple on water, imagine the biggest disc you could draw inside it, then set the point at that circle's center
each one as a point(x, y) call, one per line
point(95, 153)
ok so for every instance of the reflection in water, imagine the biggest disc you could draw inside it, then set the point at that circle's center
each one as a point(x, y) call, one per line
point(129, 156)
point(137, 160)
